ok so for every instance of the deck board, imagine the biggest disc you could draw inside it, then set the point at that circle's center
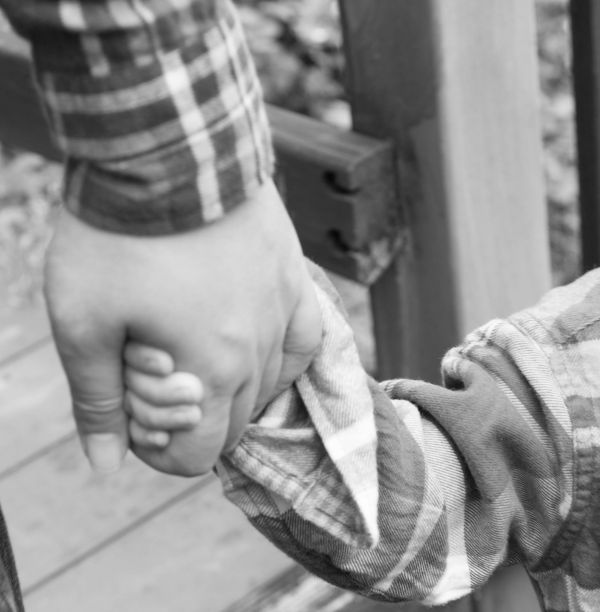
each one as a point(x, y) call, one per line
point(58, 509)
point(199, 555)
point(34, 406)
point(22, 330)
point(137, 540)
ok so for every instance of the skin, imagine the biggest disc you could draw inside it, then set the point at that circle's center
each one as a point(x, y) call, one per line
point(153, 398)
point(232, 303)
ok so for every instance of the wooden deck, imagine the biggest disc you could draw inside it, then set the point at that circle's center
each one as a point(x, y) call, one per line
point(135, 541)
point(138, 540)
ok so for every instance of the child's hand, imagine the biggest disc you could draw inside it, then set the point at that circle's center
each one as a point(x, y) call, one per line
point(160, 403)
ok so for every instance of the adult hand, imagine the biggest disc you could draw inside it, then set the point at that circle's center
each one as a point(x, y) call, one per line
point(232, 302)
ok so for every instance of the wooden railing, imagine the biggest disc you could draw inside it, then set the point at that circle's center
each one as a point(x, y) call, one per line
point(436, 200)
point(339, 185)
point(585, 27)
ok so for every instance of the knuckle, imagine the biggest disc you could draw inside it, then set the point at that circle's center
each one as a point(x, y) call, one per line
point(228, 375)
point(189, 471)
point(98, 406)
point(142, 413)
point(152, 419)
point(70, 320)
point(154, 396)
point(101, 416)
point(138, 434)
point(222, 388)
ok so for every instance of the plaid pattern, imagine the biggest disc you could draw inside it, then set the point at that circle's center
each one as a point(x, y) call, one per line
point(155, 104)
point(409, 491)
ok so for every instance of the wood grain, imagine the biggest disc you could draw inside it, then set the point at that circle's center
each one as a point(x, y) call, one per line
point(198, 555)
point(585, 25)
point(340, 191)
point(22, 330)
point(57, 509)
point(35, 408)
point(339, 186)
point(454, 84)
point(136, 530)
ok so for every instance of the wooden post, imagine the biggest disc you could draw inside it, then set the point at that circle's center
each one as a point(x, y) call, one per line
point(585, 25)
point(454, 83)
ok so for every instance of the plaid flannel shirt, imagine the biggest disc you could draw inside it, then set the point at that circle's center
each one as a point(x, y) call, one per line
point(154, 103)
point(408, 491)
point(157, 109)
point(399, 491)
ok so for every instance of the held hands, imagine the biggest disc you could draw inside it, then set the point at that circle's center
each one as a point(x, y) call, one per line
point(232, 303)
point(161, 403)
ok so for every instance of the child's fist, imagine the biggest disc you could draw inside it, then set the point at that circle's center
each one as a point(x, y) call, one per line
point(158, 400)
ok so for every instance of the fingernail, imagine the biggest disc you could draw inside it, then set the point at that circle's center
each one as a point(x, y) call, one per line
point(189, 417)
point(159, 438)
point(104, 452)
point(188, 388)
point(187, 395)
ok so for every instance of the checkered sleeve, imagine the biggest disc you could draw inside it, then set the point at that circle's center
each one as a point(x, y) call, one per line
point(409, 491)
point(155, 105)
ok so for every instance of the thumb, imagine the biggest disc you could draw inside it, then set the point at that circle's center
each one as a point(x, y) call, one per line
point(303, 337)
point(94, 370)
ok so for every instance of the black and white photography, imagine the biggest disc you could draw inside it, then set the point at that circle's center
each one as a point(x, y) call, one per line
point(299, 305)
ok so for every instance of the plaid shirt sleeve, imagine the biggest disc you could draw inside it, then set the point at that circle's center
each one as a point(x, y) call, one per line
point(154, 103)
point(408, 491)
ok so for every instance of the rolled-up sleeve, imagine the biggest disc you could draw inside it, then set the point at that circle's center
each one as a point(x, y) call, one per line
point(155, 105)
point(409, 491)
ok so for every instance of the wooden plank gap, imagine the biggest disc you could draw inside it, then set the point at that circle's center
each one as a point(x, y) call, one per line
point(117, 535)
point(36, 456)
point(26, 350)
point(22, 331)
point(35, 405)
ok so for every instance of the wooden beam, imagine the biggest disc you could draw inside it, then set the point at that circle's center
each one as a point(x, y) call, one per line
point(340, 192)
point(22, 123)
point(338, 186)
point(454, 84)
point(585, 25)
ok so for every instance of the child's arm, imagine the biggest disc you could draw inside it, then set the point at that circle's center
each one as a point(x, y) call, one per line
point(411, 491)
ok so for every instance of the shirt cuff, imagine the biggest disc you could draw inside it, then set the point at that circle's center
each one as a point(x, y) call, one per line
point(158, 111)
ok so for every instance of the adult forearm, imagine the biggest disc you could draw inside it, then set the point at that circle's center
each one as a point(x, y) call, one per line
point(155, 105)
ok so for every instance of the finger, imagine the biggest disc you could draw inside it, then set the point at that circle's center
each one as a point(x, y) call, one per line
point(93, 367)
point(168, 418)
point(148, 359)
point(302, 340)
point(148, 438)
point(269, 381)
point(177, 388)
point(242, 411)
point(194, 452)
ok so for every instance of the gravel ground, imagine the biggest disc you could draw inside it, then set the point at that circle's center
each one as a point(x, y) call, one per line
point(296, 44)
